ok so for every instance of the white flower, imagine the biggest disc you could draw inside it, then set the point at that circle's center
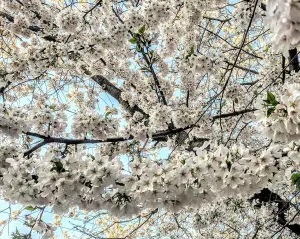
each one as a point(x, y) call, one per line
point(39, 226)
point(233, 180)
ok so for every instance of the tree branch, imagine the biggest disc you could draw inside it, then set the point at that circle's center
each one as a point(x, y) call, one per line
point(294, 66)
point(266, 196)
point(242, 68)
point(90, 11)
point(116, 93)
point(226, 115)
point(159, 136)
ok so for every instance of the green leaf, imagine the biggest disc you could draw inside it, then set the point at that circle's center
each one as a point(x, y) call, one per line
point(142, 30)
point(271, 99)
point(182, 161)
point(191, 52)
point(30, 208)
point(271, 103)
point(223, 103)
point(18, 235)
point(133, 40)
point(139, 48)
point(135, 141)
point(2, 73)
point(267, 49)
point(270, 111)
point(107, 114)
point(295, 178)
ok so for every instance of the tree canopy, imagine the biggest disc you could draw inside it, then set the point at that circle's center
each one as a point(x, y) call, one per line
point(180, 116)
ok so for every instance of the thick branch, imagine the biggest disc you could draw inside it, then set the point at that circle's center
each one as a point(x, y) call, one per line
point(152, 71)
point(226, 115)
point(217, 19)
point(103, 82)
point(294, 66)
point(159, 136)
point(116, 93)
point(48, 139)
point(266, 196)
point(249, 83)
point(90, 11)
point(2, 89)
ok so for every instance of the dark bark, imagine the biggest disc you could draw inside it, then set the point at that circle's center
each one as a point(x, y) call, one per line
point(266, 196)
point(294, 64)
point(235, 113)
point(283, 67)
point(159, 136)
point(116, 93)
point(100, 80)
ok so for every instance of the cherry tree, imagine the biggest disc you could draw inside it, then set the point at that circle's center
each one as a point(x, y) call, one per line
point(187, 109)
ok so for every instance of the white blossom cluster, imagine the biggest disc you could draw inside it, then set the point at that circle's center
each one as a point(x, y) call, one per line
point(92, 124)
point(68, 21)
point(145, 100)
point(9, 5)
point(280, 117)
point(8, 151)
point(242, 14)
point(45, 228)
point(167, 80)
point(193, 68)
point(13, 121)
point(183, 116)
point(234, 92)
point(211, 216)
point(283, 17)
point(160, 117)
point(49, 122)
point(20, 26)
point(189, 181)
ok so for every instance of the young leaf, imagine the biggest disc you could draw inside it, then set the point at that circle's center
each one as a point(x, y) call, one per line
point(133, 40)
point(267, 49)
point(295, 178)
point(270, 110)
point(107, 114)
point(271, 99)
point(191, 52)
point(30, 208)
point(139, 48)
point(142, 30)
